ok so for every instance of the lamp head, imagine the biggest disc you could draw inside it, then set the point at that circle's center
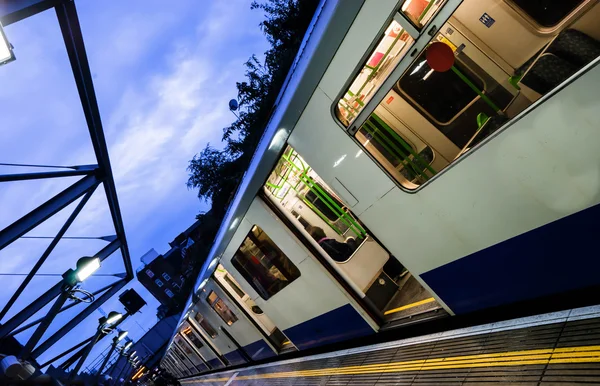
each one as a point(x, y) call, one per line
point(113, 317)
point(86, 266)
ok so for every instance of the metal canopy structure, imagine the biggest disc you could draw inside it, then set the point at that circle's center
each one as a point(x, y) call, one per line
point(92, 176)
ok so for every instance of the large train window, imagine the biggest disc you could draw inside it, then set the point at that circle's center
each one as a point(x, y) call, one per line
point(548, 13)
point(207, 327)
point(421, 11)
point(221, 308)
point(264, 266)
point(440, 95)
point(392, 47)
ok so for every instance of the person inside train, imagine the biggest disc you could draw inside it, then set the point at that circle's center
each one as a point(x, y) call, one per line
point(337, 251)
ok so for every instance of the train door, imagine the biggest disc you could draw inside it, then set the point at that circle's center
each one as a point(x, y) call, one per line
point(221, 340)
point(259, 336)
point(344, 242)
point(174, 365)
point(283, 279)
point(193, 357)
point(200, 336)
point(195, 341)
point(184, 360)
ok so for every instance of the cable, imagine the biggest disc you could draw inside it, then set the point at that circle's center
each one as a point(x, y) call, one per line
point(87, 298)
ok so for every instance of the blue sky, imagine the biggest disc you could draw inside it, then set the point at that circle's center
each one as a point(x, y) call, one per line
point(163, 74)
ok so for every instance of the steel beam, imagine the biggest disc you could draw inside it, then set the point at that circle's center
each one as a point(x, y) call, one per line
point(47, 210)
point(50, 361)
point(47, 252)
point(76, 302)
point(77, 171)
point(71, 31)
point(12, 11)
point(77, 319)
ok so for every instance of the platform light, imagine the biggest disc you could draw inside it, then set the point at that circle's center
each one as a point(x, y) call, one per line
point(122, 336)
point(127, 345)
point(202, 284)
point(113, 317)
point(86, 266)
point(6, 52)
point(213, 263)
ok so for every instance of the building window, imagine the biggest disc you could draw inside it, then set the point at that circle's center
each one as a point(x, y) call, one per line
point(221, 308)
point(149, 273)
point(166, 276)
point(158, 283)
point(264, 266)
point(206, 326)
point(169, 293)
point(548, 13)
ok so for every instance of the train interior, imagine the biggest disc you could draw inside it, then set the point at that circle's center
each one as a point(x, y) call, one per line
point(278, 340)
point(507, 54)
point(387, 285)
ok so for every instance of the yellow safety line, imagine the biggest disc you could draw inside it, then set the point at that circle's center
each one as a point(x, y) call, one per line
point(411, 305)
point(581, 354)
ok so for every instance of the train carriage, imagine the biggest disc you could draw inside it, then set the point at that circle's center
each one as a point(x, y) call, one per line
point(424, 159)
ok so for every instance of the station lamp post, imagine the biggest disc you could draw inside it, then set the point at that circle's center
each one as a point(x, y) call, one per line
point(86, 266)
point(6, 52)
point(114, 344)
point(105, 326)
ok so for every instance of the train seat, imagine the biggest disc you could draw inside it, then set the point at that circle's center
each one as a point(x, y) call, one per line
point(565, 55)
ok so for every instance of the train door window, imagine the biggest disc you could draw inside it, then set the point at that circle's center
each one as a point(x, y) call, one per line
point(221, 308)
point(391, 47)
point(421, 11)
point(192, 337)
point(254, 312)
point(365, 263)
point(266, 268)
point(548, 13)
point(206, 326)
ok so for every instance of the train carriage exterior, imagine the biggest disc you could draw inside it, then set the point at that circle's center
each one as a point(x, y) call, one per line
point(388, 191)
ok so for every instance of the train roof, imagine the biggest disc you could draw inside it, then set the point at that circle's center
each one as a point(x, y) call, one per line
point(325, 33)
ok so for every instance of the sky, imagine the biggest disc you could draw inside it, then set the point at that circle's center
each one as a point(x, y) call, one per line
point(163, 74)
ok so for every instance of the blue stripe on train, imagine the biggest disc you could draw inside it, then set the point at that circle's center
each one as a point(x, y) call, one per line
point(259, 350)
point(215, 363)
point(554, 258)
point(235, 358)
point(340, 324)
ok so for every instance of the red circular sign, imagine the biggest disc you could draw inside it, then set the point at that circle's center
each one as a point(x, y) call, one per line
point(440, 57)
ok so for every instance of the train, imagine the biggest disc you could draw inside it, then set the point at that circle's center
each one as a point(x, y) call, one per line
point(424, 159)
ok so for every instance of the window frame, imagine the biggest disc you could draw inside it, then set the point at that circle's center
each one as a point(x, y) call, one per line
point(212, 305)
point(244, 272)
point(167, 291)
point(150, 273)
point(157, 281)
point(166, 276)
point(426, 36)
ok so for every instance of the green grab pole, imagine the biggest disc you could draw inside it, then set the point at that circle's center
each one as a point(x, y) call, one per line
point(474, 88)
point(403, 143)
point(396, 150)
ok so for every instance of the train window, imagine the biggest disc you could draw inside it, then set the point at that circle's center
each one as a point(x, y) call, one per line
point(234, 285)
point(421, 11)
point(210, 330)
point(298, 187)
point(192, 337)
point(548, 13)
point(440, 95)
point(392, 47)
point(264, 266)
point(395, 153)
point(221, 308)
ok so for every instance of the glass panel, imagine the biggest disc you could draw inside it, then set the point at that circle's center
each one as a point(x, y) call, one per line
point(266, 268)
point(548, 13)
point(421, 11)
point(234, 285)
point(391, 48)
point(442, 95)
point(221, 308)
point(192, 337)
point(206, 326)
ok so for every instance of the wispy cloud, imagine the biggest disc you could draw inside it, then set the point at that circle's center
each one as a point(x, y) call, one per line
point(163, 74)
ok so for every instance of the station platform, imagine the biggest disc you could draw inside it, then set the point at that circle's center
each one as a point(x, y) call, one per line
point(560, 348)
